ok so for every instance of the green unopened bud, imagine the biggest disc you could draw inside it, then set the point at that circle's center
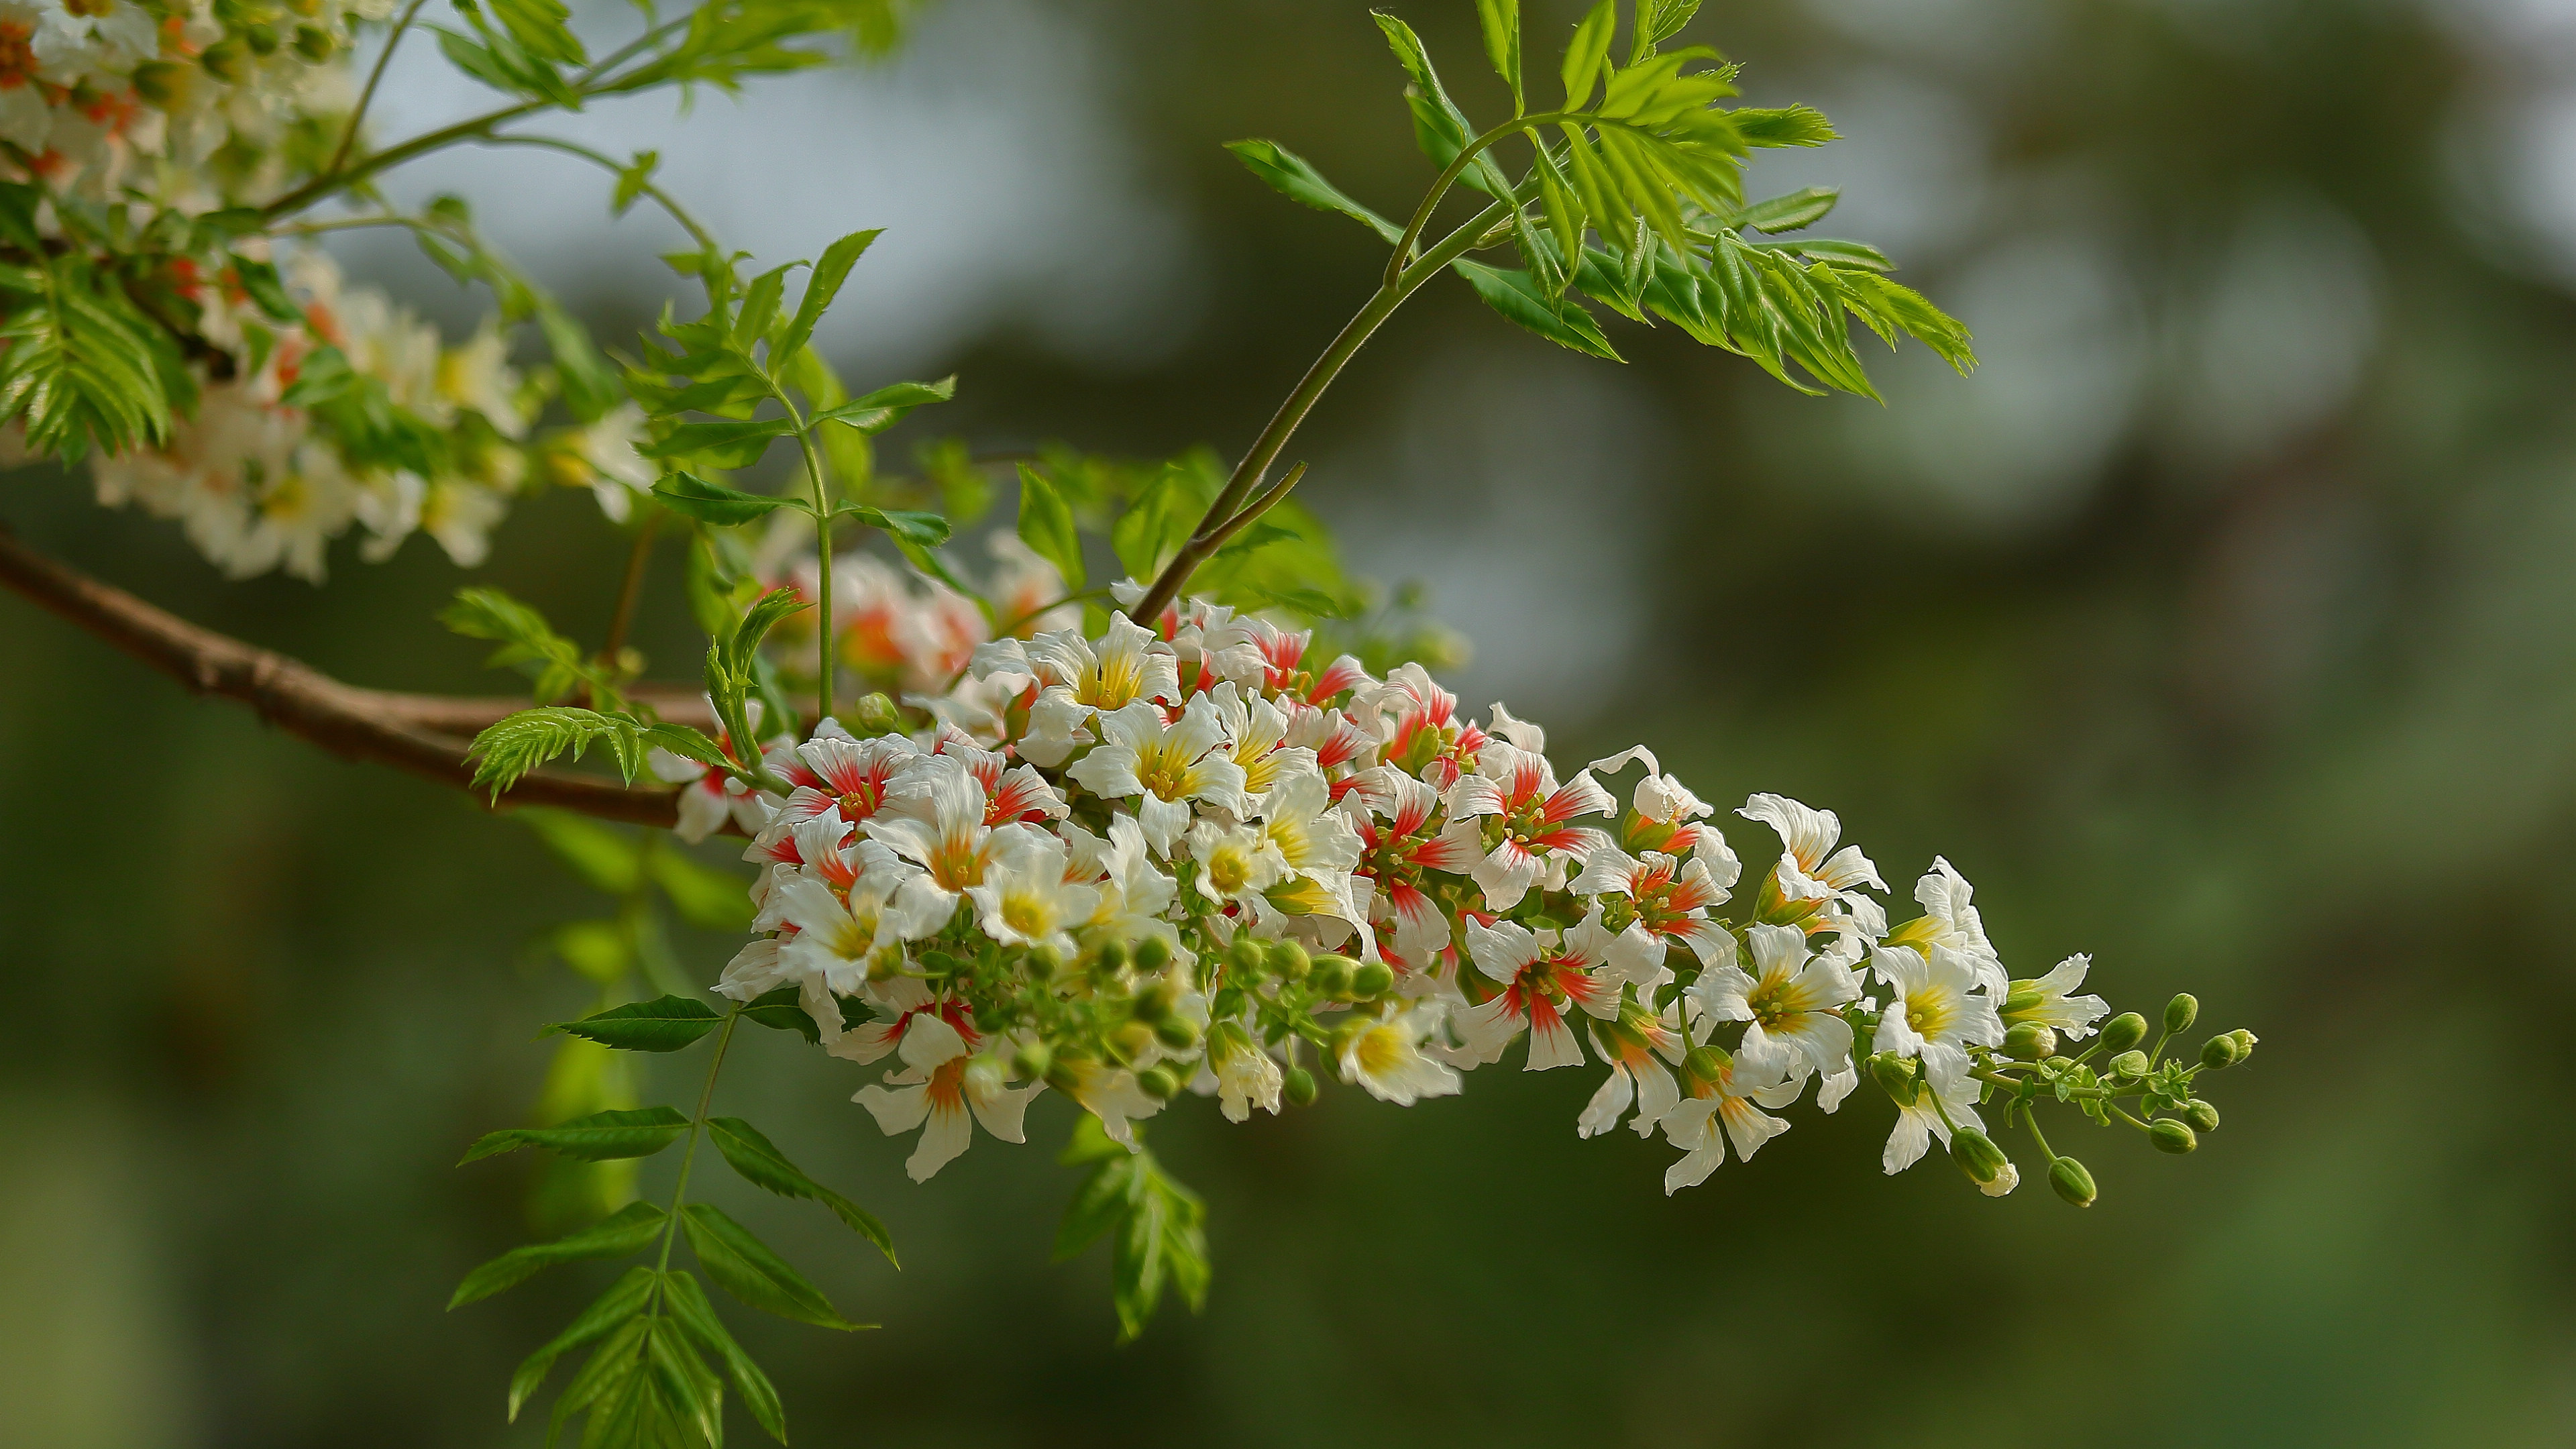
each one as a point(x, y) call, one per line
point(1177, 1032)
point(2202, 1116)
point(2123, 1032)
point(226, 60)
point(876, 715)
point(2069, 1180)
point(1245, 955)
point(2244, 1042)
point(2030, 1042)
point(260, 37)
point(1897, 1076)
point(163, 83)
point(1707, 1063)
point(2171, 1136)
point(1033, 1060)
point(1977, 1156)
point(1151, 955)
point(2129, 1064)
point(2219, 1053)
point(1372, 980)
point(1156, 1001)
point(1131, 1040)
point(1044, 962)
point(1289, 959)
point(1156, 1083)
point(2181, 1012)
point(1332, 975)
point(1110, 959)
point(2024, 999)
point(1299, 1087)
point(315, 43)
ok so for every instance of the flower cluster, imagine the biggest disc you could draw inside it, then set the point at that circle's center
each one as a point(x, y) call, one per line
point(1198, 856)
point(896, 630)
point(195, 105)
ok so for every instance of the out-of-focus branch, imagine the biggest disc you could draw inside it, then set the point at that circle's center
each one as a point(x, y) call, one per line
point(420, 733)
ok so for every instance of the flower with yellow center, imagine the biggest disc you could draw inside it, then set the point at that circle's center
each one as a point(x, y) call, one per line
point(1938, 1012)
point(1789, 999)
point(1165, 766)
point(1385, 1057)
point(1024, 899)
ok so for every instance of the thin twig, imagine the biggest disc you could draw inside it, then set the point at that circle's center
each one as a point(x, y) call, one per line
point(375, 77)
point(414, 733)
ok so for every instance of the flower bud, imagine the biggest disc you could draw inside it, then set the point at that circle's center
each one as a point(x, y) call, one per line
point(260, 37)
point(2181, 1012)
point(1289, 959)
point(2202, 1116)
point(1707, 1063)
point(2220, 1052)
point(1332, 975)
point(1110, 959)
point(1977, 1155)
point(876, 715)
point(1373, 980)
point(2123, 1032)
point(2171, 1136)
point(314, 43)
point(1044, 962)
point(2129, 1064)
point(1244, 955)
point(162, 83)
point(1156, 1083)
point(2030, 1042)
point(1299, 1087)
point(1034, 1060)
point(226, 60)
point(1897, 1076)
point(2023, 1000)
point(1150, 955)
point(2244, 1042)
point(2069, 1180)
point(1131, 1040)
point(2006, 1179)
point(1155, 1002)
point(1177, 1032)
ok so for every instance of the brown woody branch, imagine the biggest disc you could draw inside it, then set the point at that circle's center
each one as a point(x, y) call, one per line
point(424, 734)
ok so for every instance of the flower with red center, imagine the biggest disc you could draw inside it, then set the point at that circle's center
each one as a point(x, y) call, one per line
point(1811, 875)
point(1540, 975)
point(1637, 1045)
point(1666, 904)
point(942, 1084)
point(1413, 840)
point(1419, 722)
point(1663, 814)
point(1286, 669)
point(839, 775)
point(1518, 789)
point(1017, 794)
point(708, 795)
point(1731, 1101)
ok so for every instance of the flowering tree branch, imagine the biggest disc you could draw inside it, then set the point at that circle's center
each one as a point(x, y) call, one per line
point(422, 734)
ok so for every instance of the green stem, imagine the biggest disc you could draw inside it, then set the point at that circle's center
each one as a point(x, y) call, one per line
point(338, 180)
point(1283, 424)
point(1448, 177)
point(375, 77)
point(705, 239)
point(630, 589)
point(697, 1128)
point(2030, 1119)
point(823, 557)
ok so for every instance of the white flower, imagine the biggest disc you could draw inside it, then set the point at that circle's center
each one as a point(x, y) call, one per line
point(1236, 862)
point(1127, 666)
point(1246, 1076)
point(708, 796)
point(1256, 733)
point(2046, 1001)
point(1519, 788)
point(1386, 1057)
point(1312, 838)
point(1949, 920)
point(460, 516)
point(1810, 868)
point(1666, 814)
point(937, 821)
point(1744, 1085)
point(839, 904)
point(853, 778)
point(1637, 1046)
point(296, 513)
point(1539, 976)
point(943, 1083)
point(1937, 1013)
point(1921, 1120)
point(1168, 765)
point(1024, 900)
point(1396, 856)
point(1668, 902)
point(615, 470)
point(1789, 999)
point(1110, 1094)
point(477, 374)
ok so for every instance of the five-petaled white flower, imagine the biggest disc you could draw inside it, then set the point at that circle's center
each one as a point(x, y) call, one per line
point(1667, 904)
point(1518, 788)
point(1789, 999)
point(942, 1083)
point(1938, 1012)
point(1539, 976)
point(1810, 868)
point(1024, 898)
point(1386, 1057)
point(1950, 920)
point(1127, 666)
point(2046, 1001)
point(1168, 765)
point(1728, 1108)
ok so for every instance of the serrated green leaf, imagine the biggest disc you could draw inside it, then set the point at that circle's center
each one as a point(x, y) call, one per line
point(1841, 253)
point(688, 1388)
point(697, 1318)
point(612, 1310)
point(781, 1009)
point(904, 525)
point(1797, 210)
point(1046, 526)
point(631, 1230)
point(599, 1137)
point(881, 409)
point(1782, 126)
point(664, 1024)
point(830, 271)
point(540, 26)
point(505, 752)
point(727, 445)
point(1500, 22)
point(689, 494)
point(763, 1165)
point(1519, 298)
point(745, 1267)
point(1291, 176)
point(607, 1378)
point(260, 280)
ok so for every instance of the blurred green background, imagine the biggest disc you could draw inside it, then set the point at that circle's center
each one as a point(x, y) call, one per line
point(2223, 625)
